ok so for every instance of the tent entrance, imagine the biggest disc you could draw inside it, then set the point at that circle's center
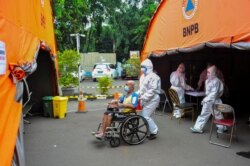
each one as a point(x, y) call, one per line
point(233, 63)
point(43, 82)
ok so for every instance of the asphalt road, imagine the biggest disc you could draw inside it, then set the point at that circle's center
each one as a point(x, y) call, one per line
point(68, 142)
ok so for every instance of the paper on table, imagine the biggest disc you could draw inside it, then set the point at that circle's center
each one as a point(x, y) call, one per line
point(195, 93)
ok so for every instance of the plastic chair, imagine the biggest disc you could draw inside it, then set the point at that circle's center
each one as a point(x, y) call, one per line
point(165, 100)
point(184, 107)
point(229, 122)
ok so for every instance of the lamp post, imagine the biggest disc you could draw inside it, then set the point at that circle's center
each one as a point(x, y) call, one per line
point(77, 35)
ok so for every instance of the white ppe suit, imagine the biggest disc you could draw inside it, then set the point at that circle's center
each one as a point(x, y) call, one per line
point(214, 90)
point(150, 86)
point(178, 83)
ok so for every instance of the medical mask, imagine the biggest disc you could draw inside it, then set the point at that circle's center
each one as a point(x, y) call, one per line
point(144, 70)
point(126, 89)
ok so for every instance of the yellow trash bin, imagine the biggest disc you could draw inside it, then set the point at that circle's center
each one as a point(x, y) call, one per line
point(60, 106)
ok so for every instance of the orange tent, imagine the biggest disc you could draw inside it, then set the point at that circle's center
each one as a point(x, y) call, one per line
point(196, 32)
point(25, 27)
point(188, 25)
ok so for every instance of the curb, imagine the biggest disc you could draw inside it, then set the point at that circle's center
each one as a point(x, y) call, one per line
point(91, 97)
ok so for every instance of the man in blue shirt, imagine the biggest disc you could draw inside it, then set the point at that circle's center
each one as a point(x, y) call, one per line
point(128, 103)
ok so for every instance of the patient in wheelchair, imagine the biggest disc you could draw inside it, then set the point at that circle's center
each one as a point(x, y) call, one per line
point(119, 109)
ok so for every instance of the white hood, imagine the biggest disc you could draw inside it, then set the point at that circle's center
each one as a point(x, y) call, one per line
point(148, 64)
point(212, 70)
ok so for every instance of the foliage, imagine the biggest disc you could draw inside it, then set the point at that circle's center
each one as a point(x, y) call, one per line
point(104, 83)
point(129, 24)
point(141, 26)
point(110, 26)
point(132, 67)
point(135, 62)
point(68, 68)
point(70, 18)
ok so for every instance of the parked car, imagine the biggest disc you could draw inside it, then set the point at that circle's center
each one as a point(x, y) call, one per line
point(104, 69)
point(119, 69)
point(88, 74)
point(80, 75)
point(123, 74)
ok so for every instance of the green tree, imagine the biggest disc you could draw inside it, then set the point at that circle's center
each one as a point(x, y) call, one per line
point(109, 26)
point(140, 29)
point(70, 17)
point(130, 23)
point(100, 12)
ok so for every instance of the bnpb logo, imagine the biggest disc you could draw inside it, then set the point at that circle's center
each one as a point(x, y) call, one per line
point(189, 8)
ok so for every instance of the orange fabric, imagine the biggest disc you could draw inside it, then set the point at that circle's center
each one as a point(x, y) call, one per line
point(23, 25)
point(216, 21)
point(10, 114)
point(27, 23)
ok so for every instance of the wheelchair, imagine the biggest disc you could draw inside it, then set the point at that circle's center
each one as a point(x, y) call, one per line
point(128, 127)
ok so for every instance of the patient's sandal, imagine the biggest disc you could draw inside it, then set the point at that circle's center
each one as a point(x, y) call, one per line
point(99, 135)
point(95, 132)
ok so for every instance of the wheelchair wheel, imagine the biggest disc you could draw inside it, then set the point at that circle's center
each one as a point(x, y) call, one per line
point(115, 142)
point(134, 130)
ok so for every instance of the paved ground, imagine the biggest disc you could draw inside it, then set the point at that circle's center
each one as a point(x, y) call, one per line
point(68, 142)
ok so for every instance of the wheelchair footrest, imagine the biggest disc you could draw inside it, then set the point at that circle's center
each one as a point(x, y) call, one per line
point(112, 132)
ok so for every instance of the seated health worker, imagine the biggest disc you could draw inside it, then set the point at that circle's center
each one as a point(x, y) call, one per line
point(178, 83)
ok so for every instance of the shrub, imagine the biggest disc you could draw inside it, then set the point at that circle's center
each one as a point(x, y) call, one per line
point(68, 68)
point(132, 67)
point(104, 83)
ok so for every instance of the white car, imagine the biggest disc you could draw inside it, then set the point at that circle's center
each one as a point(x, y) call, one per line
point(104, 69)
point(80, 75)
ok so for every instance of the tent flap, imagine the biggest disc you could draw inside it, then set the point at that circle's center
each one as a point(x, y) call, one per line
point(217, 45)
point(192, 49)
point(241, 45)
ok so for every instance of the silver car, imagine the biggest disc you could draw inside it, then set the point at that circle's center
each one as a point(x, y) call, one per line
point(80, 75)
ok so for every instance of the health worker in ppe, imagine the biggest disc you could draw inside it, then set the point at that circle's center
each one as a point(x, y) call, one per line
point(214, 90)
point(178, 83)
point(203, 77)
point(150, 86)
